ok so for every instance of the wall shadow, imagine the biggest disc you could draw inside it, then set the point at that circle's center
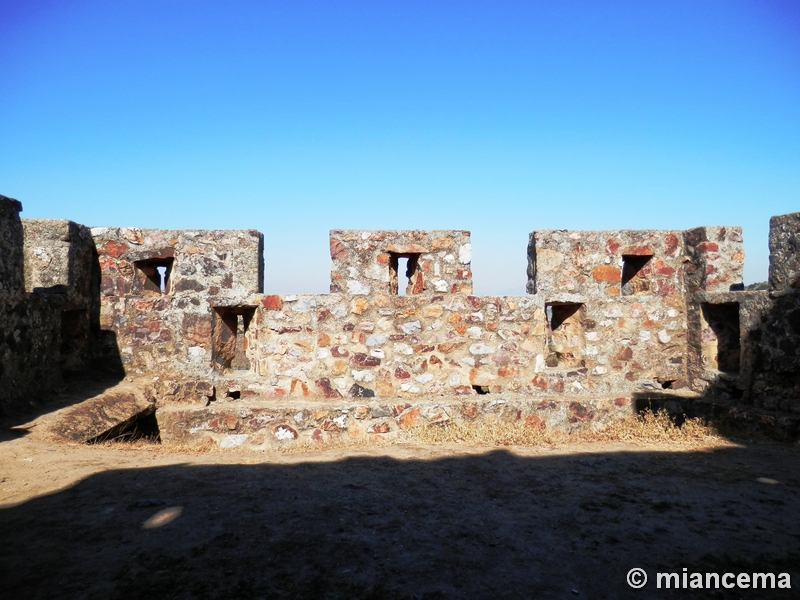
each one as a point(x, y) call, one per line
point(493, 525)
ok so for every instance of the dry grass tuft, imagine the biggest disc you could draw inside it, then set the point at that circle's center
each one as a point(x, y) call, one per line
point(647, 428)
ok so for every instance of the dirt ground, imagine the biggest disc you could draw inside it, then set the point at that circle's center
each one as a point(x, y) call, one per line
point(406, 521)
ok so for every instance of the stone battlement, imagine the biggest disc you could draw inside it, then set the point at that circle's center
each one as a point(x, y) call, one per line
point(608, 314)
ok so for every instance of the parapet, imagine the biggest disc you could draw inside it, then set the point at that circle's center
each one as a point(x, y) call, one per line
point(411, 262)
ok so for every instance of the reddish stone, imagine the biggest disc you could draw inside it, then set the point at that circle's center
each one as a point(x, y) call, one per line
point(608, 273)
point(339, 352)
point(362, 412)
point(707, 247)
point(379, 428)
point(323, 339)
point(671, 243)
point(401, 373)
point(556, 384)
point(461, 329)
point(612, 246)
point(546, 404)
point(272, 302)
point(535, 422)
point(113, 248)
point(276, 392)
point(303, 387)
point(383, 259)
point(409, 418)
point(539, 381)
point(363, 360)
point(399, 408)
point(435, 361)
point(469, 410)
point(507, 371)
point(638, 251)
point(338, 249)
point(317, 435)
point(329, 425)
point(625, 354)
point(620, 401)
point(475, 302)
point(326, 389)
point(323, 314)
point(579, 412)
point(659, 267)
point(423, 348)
point(463, 390)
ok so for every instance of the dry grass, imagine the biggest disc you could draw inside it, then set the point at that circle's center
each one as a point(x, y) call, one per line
point(645, 428)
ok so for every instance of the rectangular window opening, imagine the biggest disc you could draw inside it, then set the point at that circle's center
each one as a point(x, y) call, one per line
point(405, 276)
point(636, 273)
point(229, 347)
point(564, 334)
point(720, 336)
point(153, 275)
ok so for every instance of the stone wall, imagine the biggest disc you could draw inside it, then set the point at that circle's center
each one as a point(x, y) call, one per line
point(608, 313)
point(367, 262)
point(159, 290)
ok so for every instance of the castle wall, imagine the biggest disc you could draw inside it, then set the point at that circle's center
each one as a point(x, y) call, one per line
point(608, 313)
point(159, 289)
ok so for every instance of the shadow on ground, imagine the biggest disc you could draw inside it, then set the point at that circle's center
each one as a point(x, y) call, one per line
point(493, 525)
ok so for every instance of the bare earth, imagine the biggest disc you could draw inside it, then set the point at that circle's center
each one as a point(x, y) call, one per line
point(392, 522)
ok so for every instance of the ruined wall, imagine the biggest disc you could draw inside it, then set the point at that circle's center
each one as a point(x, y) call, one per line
point(31, 349)
point(159, 290)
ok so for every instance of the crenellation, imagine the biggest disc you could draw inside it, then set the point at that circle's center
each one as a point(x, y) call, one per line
point(609, 314)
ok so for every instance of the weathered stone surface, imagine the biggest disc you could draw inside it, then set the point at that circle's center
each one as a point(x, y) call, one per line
point(104, 414)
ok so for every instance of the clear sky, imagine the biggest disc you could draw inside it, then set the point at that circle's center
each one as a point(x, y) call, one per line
point(499, 117)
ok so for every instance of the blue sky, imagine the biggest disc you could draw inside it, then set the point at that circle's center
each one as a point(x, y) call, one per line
point(498, 117)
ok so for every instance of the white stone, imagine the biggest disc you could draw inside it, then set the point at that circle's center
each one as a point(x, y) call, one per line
point(305, 304)
point(592, 336)
point(282, 433)
point(402, 349)
point(600, 370)
point(590, 350)
point(340, 382)
point(437, 270)
point(197, 351)
point(465, 254)
point(290, 298)
point(376, 339)
point(377, 272)
point(98, 230)
point(424, 378)
point(358, 288)
point(377, 353)
point(339, 310)
point(548, 260)
point(577, 385)
point(539, 364)
point(341, 421)
point(644, 336)
point(468, 360)
point(454, 379)
point(440, 285)
point(411, 327)
point(663, 336)
point(409, 387)
point(234, 441)
point(449, 258)
point(672, 313)
point(481, 349)
point(299, 417)
point(364, 375)
point(474, 332)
